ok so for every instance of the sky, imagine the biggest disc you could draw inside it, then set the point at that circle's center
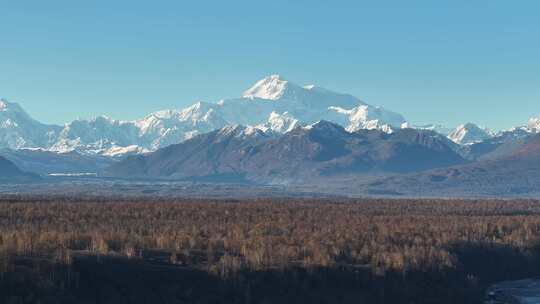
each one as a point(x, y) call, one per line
point(445, 62)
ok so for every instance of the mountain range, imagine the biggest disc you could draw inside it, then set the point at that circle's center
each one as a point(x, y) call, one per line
point(514, 173)
point(322, 149)
point(412, 162)
point(278, 132)
point(272, 104)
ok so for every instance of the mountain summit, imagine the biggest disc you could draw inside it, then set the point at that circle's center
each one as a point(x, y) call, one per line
point(272, 87)
point(19, 130)
point(469, 133)
point(273, 103)
point(534, 124)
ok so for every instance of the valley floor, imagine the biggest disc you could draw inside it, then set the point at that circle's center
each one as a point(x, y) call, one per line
point(364, 186)
point(81, 249)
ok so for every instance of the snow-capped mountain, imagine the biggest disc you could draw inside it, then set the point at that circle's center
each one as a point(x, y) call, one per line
point(96, 135)
point(18, 129)
point(534, 124)
point(317, 150)
point(369, 118)
point(271, 88)
point(279, 123)
point(469, 133)
point(272, 104)
point(307, 104)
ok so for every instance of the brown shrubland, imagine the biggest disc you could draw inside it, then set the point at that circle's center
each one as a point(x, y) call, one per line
point(225, 237)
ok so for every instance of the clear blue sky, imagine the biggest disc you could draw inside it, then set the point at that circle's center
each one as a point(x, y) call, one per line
point(433, 61)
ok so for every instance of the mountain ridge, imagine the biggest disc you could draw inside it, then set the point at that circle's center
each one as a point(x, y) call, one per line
point(273, 104)
point(10, 173)
point(320, 149)
point(469, 133)
point(516, 173)
point(257, 106)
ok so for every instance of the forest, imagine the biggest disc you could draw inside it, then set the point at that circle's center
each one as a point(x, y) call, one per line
point(77, 250)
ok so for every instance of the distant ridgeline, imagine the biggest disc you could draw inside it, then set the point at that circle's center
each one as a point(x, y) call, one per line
point(282, 133)
point(273, 105)
point(10, 173)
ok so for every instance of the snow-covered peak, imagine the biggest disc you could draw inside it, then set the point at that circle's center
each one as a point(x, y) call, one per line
point(164, 114)
point(6, 106)
point(194, 112)
point(469, 133)
point(18, 130)
point(272, 87)
point(3, 104)
point(279, 123)
point(272, 104)
point(124, 151)
point(96, 122)
point(296, 99)
point(386, 129)
point(254, 132)
point(197, 110)
point(534, 124)
point(370, 117)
